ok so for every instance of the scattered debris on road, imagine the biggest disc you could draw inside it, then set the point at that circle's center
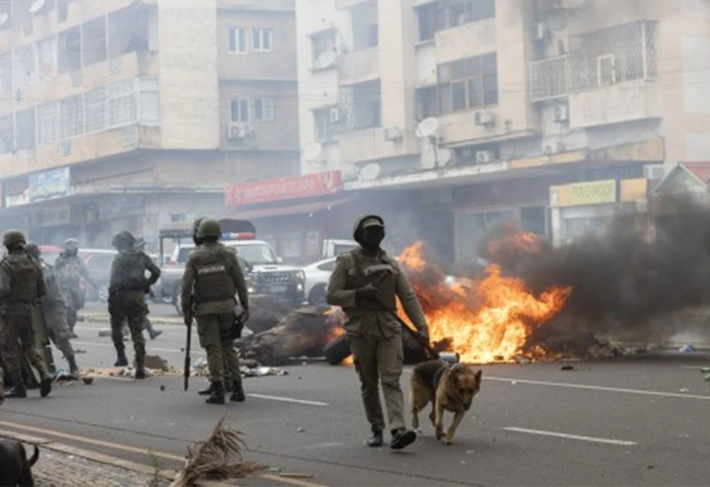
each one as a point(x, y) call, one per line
point(706, 373)
point(567, 368)
point(156, 362)
point(687, 348)
point(218, 458)
point(104, 332)
point(289, 475)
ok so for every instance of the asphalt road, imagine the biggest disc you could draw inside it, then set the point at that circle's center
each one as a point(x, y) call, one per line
point(640, 421)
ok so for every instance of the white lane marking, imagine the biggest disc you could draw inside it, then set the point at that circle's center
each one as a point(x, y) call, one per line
point(592, 439)
point(599, 388)
point(288, 399)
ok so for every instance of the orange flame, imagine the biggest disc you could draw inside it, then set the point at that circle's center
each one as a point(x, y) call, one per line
point(486, 321)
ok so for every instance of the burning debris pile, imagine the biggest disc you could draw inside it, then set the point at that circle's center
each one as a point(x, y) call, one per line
point(485, 321)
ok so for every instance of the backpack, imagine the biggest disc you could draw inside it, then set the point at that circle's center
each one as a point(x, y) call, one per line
point(24, 274)
point(131, 271)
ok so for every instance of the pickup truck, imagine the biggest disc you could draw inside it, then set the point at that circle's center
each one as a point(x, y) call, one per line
point(265, 273)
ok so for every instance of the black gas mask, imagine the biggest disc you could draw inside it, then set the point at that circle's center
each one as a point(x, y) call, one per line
point(371, 237)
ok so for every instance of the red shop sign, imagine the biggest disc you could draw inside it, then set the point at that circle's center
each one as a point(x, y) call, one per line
point(283, 189)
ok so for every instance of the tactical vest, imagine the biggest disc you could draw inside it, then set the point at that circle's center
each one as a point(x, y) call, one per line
point(380, 274)
point(24, 274)
point(69, 269)
point(131, 272)
point(212, 279)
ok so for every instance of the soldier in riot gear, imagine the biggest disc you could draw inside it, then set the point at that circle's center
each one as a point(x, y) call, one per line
point(366, 283)
point(127, 291)
point(53, 310)
point(212, 278)
point(70, 270)
point(21, 285)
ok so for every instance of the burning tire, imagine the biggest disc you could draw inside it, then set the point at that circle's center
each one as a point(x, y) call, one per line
point(337, 350)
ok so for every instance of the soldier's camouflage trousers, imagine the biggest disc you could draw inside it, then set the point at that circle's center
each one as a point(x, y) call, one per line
point(380, 360)
point(17, 337)
point(72, 300)
point(129, 306)
point(215, 333)
point(56, 319)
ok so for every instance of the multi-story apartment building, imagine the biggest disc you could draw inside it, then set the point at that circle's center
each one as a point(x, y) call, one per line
point(127, 114)
point(550, 113)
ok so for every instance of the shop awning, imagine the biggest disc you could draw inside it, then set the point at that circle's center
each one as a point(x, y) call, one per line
point(287, 210)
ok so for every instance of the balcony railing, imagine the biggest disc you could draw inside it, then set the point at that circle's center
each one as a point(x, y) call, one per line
point(549, 78)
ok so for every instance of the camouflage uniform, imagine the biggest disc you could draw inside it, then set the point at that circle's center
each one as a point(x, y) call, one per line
point(70, 270)
point(21, 285)
point(53, 310)
point(375, 335)
point(127, 291)
point(212, 278)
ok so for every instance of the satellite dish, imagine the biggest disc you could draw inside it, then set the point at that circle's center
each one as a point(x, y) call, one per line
point(3, 18)
point(37, 6)
point(312, 151)
point(370, 172)
point(427, 127)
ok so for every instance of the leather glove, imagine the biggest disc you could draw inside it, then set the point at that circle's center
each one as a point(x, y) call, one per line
point(188, 319)
point(245, 315)
point(368, 291)
point(424, 332)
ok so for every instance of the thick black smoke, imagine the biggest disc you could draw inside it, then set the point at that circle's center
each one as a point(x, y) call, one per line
point(632, 281)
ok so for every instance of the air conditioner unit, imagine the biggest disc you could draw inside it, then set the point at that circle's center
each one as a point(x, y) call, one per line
point(334, 115)
point(654, 171)
point(236, 131)
point(561, 113)
point(484, 156)
point(392, 133)
point(483, 117)
point(540, 31)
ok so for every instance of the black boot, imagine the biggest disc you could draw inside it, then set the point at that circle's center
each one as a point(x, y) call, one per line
point(73, 368)
point(18, 391)
point(155, 334)
point(237, 393)
point(217, 396)
point(376, 440)
point(207, 391)
point(402, 438)
point(140, 373)
point(45, 387)
point(122, 360)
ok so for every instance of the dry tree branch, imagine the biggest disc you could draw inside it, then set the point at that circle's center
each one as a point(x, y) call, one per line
point(217, 458)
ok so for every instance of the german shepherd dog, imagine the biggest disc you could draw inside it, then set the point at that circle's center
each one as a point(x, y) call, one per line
point(450, 388)
point(15, 467)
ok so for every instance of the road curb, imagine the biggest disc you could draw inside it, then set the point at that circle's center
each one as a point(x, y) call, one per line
point(88, 455)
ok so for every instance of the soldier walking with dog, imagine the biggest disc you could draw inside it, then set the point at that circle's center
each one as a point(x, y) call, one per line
point(365, 283)
point(127, 291)
point(212, 278)
point(54, 311)
point(21, 285)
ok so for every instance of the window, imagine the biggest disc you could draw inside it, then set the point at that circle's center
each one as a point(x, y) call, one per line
point(468, 83)
point(367, 105)
point(70, 50)
point(6, 73)
point(239, 110)
point(23, 69)
point(149, 103)
point(237, 40)
point(454, 13)
point(122, 108)
point(7, 135)
point(25, 136)
point(72, 117)
point(324, 48)
point(426, 15)
point(264, 109)
point(365, 36)
point(94, 41)
point(47, 58)
point(95, 110)
point(48, 124)
point(261, 39)
point(326, 124)
point(427, 103)
point(328, 266)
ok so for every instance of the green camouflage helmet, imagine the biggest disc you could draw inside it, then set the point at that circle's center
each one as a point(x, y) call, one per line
point(71, 244)
point(366, 221)
point(209, 228)
point(33, 250)
point(13, 237)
